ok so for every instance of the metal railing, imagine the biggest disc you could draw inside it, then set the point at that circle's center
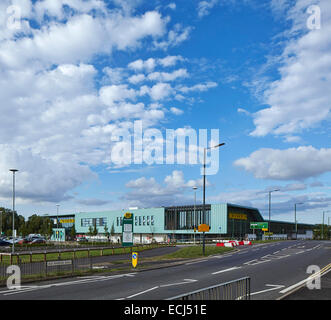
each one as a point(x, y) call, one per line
point(233, 290)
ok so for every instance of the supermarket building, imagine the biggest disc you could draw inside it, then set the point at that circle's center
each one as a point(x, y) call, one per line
point(179, 222)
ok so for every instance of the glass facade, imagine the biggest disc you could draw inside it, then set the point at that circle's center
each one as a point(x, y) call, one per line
point(239, 219)
point(186, 217)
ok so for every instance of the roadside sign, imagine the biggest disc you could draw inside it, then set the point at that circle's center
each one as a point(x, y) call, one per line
point(127, 230)
point(134, 259)
point(259, 225)
point(203, 228)
point(58, 263)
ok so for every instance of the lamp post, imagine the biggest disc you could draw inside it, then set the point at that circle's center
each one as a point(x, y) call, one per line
point(204, 191)
point(322, 236)
point(57, 219)
point(295, 219)
point(13, 171)
point(270, 209)
point(194, 216)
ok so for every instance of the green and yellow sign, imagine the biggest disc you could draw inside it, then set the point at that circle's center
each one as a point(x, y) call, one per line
point(259, 225)
point(127, 230)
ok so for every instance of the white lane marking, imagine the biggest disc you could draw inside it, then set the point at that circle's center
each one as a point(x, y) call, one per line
point(219, 256)
point(186, 281)
point(16, 292)
point(299, 252)
point(274, 287)
point(81, 281)
point(315, 275)
point(195, 262)
point(258, 262)
point(230, 269)
point(142, 292)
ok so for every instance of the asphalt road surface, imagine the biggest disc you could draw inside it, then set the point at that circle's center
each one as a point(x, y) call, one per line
point(274, 268)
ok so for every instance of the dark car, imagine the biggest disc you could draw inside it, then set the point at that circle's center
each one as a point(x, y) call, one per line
point(4, 243)
point(38, 240)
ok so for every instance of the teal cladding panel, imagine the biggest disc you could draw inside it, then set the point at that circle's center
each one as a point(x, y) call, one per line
point(218, 222)
point(142, 220)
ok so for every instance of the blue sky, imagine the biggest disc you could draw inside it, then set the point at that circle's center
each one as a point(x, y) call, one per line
point(74, 73)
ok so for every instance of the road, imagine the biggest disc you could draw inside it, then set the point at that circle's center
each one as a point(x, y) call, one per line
point(274, 269)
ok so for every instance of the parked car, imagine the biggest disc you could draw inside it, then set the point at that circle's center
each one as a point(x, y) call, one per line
point(4, 243)
point(10, 240)
point(81, 239)
point(38, 240)
point(23, 241)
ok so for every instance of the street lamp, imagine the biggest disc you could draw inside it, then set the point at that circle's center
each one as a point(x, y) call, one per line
point(57, 219)
point(270, 208)
point(323, 223)
point(13, 171)
point(295, 219)
point(194, 215)
point(204, 191)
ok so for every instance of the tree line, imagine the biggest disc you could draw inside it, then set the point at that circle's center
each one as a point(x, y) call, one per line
point(34, 224)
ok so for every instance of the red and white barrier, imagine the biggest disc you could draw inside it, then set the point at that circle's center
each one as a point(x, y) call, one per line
point(225, 244)
point(232, 243)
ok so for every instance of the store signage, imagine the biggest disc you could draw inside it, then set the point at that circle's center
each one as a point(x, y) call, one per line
point(238, 216)
point(127, 230)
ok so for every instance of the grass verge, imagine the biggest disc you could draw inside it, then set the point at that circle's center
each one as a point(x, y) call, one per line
point(195, 252)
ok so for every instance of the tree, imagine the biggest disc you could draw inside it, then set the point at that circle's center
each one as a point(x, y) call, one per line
point(107, 233)
point(90, 231)
point(112, 229)
point(95, 230)
point(73, 233)
point(6, 221)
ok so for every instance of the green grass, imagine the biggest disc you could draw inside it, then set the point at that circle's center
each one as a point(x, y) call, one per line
point(195, 252)
point(265, 241)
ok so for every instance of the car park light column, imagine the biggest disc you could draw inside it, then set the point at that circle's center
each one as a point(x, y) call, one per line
point(270, 209)
point(204, 192)
point(13, 246)
point(57, 219)
point(194, 216)
point(295, 219)
point(322, 232)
